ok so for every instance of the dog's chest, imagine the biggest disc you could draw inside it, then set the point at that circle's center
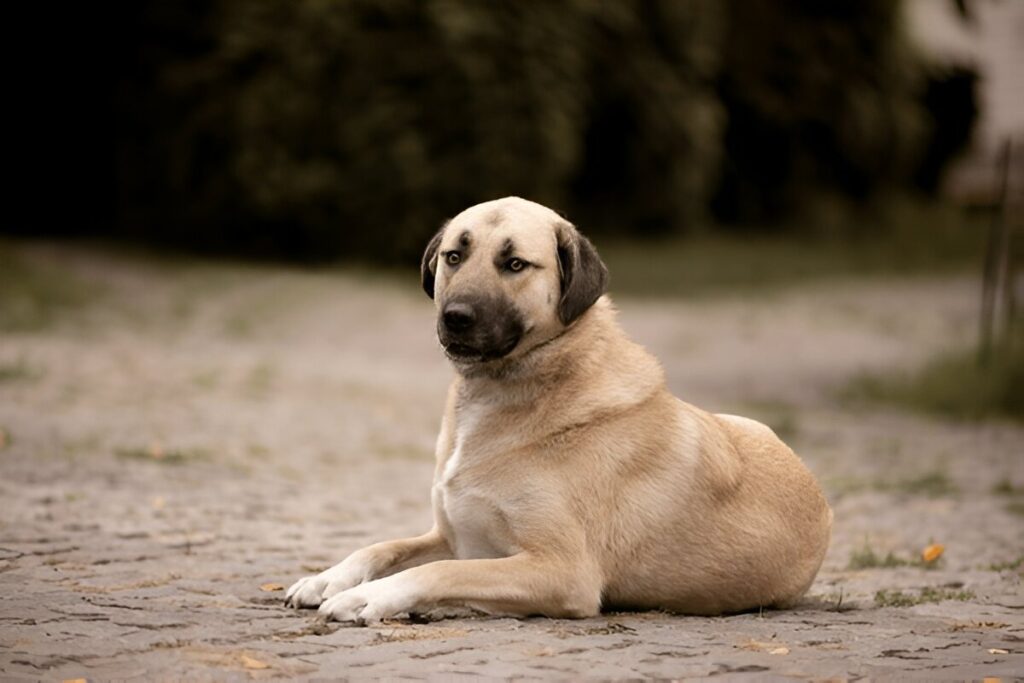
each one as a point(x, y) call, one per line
point(471, 517)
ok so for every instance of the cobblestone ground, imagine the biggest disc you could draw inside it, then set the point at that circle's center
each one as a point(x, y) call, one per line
point(180, 441)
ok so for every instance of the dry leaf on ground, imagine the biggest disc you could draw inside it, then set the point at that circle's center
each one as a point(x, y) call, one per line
point(252, 663)
point(932, 552)
point(760, 646)
point(270, 587)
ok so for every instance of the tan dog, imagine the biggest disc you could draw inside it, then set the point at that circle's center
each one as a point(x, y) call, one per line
point(568, 478)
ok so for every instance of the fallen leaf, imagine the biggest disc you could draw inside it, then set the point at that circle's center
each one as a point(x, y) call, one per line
point(998, 651)
point(760, 646)
point(271, 587)
point(779, 651)
point(74, 680)
point(251, 663)
point(932, 552)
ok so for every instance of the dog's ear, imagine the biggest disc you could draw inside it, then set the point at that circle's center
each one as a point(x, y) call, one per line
point(428, 266)
point(583, 274)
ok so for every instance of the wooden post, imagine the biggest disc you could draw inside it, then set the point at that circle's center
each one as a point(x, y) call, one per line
point(996, 268)
point(1011, 241)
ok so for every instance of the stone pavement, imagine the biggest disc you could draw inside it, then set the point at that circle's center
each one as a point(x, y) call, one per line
point(180, 448)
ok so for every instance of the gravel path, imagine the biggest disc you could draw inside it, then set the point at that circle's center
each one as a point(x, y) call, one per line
point(190, 438)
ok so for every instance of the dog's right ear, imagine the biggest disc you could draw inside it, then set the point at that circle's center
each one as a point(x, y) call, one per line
point(428, 266)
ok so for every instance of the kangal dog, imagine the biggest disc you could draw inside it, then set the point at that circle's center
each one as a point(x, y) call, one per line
point(568, 478)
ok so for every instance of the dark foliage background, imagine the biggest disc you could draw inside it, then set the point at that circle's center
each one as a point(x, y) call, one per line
point(321, 130)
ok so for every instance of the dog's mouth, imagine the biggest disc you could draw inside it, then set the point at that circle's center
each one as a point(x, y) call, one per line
point(466, 353)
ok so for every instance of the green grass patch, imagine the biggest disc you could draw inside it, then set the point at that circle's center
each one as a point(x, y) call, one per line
point(35, 292)
point(909, 239)
point(1005, 487)
point(18, 371)
point(865, 557)
point(954, 385)
point(260, 379)
point(894, 598)
point(934, 484)
point(158, 454)
point(389, 450)
point(1012, 565)
point(207, 379)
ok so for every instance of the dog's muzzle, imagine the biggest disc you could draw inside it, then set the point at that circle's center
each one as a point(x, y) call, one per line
point(479, 329)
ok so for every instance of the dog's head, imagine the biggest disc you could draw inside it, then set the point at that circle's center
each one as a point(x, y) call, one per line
point(506, 276)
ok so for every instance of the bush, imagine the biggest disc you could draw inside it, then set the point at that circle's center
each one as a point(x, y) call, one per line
point(328, 129)
point(325, 130)
point(956, 385)
point(822, 100)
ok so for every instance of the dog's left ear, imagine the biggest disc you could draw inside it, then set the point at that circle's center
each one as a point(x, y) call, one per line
point(428, 266)
point(584, 276)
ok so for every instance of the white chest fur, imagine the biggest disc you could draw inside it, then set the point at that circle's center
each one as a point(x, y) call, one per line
point(474, 521)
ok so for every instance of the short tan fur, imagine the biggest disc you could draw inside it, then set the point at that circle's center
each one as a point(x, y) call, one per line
point(568, 478)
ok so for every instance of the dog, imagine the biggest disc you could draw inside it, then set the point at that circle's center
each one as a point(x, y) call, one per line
point(568, 479)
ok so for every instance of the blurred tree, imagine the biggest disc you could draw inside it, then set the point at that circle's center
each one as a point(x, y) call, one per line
point(652, 124)
point(332, 128)
point(322, 129)
point(950, 100)
point(822, 101)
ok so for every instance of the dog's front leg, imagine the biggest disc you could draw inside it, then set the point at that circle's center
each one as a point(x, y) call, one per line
point(523, 584)
point(367, 564)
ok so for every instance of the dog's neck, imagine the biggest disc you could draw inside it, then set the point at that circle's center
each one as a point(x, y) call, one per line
point(591, 362)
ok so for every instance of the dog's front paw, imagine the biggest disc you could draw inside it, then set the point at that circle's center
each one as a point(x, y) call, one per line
point(306, 592)
point(369, 602)
point(311, 591)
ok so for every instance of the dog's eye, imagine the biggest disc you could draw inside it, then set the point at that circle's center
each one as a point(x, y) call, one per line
point(515, 265)
point(453, 258)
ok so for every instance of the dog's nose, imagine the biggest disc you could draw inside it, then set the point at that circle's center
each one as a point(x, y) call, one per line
point(459, 317)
